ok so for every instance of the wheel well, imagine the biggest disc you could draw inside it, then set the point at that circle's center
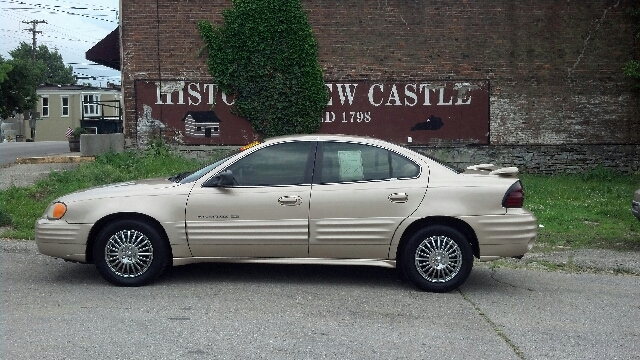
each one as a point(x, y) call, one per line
point(102, 223)
point(454, 223)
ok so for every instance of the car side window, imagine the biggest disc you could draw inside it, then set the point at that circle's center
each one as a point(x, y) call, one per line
point(279, 164)
point(402, 167)
point(343, 162)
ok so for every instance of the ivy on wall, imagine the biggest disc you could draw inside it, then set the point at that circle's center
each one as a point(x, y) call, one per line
point(266, 56)
point(632, 68)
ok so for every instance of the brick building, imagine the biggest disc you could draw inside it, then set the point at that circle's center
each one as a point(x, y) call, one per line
point(556, 92)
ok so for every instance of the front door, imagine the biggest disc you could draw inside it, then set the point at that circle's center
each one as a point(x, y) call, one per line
point(266, 212)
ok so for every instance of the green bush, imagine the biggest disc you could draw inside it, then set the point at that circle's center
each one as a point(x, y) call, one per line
point(77, 132)
point(266, 56)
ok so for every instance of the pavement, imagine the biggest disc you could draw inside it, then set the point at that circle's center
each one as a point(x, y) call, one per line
point(53, 309)
point(25, 171)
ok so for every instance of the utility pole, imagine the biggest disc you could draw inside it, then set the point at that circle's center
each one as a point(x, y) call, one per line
point(34, 32)
point(34, 23)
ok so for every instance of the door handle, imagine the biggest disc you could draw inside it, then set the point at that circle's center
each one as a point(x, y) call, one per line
point(290, 200)
point(399, 197)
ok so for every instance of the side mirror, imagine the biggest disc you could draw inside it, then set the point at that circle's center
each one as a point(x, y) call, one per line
point(226, 178)
point(223, 179)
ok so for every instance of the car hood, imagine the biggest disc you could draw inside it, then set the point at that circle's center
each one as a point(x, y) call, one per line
point(129, 188)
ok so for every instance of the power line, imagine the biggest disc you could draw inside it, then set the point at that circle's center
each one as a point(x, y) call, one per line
point(53, 8)
point(52, 37)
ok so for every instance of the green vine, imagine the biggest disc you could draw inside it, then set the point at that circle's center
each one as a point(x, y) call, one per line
point(632, 68)
point(266, 56)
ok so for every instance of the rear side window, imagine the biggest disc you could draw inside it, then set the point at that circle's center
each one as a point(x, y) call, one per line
point(344, 162)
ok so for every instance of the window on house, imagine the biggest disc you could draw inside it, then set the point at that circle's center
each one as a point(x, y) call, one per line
point(90, 104)
point(45, 107)
point(65, 106)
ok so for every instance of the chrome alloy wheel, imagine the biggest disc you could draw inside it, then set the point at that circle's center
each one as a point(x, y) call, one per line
point(438, 259)
point(128, 253)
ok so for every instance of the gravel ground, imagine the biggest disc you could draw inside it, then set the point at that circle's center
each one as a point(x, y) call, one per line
point(580, 260)
point(590, 260)
point(27, 174)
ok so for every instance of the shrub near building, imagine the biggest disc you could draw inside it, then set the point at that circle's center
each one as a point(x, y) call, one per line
point(266, 56)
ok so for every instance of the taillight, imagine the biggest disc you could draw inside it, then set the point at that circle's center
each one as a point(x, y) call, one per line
point(514, 198)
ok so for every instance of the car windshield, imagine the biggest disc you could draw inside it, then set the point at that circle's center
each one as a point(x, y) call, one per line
point(188, 177)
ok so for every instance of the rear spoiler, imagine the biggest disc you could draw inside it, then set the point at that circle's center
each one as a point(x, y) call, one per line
point(491, 169)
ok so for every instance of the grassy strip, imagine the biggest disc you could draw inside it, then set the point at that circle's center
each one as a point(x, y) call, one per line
point(590, 210)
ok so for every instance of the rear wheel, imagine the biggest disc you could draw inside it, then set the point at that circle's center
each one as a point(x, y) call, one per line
point(437, 259)
point(130, 253)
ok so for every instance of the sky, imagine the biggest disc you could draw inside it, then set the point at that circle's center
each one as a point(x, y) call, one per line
point(72, 27)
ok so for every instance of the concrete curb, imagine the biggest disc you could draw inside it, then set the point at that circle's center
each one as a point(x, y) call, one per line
point(59, 159)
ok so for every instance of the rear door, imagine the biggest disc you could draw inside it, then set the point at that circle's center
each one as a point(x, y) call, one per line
point(360, 195)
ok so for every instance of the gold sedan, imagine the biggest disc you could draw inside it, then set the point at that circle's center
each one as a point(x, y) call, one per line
point(329, 199)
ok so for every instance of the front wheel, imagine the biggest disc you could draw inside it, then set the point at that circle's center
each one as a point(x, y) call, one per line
point(130, 253)
point(437, 259)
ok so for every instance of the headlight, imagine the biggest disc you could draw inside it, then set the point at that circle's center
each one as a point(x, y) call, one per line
point(56, 211)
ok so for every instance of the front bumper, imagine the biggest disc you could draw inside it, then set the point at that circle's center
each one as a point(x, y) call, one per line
point(60, 239)
point(635, 209)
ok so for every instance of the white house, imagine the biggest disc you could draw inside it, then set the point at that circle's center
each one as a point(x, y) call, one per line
point(68, 106)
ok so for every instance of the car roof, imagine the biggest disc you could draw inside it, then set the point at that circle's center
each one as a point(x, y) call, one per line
point(325, 137)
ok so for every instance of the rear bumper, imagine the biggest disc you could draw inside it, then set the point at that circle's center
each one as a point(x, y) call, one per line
point(510, 235)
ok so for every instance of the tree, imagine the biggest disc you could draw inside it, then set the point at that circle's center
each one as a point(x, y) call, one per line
point(4, 69)
point(20, 75)
point(18, 91)
point(266, 56)
point(49, 64)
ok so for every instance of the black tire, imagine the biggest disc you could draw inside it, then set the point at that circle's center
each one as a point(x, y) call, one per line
point(130, 253)
point(437, 259)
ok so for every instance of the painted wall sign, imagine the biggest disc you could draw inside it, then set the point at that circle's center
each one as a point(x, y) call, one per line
point(403, 112)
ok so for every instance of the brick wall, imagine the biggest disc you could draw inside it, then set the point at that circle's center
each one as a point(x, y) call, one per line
point(554, 66)
point(543, 159)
